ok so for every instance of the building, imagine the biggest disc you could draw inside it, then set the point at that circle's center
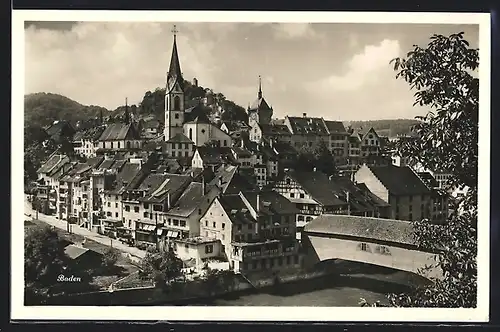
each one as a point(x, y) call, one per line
point(370, 143)
point(354, 153)
point(408, 195)
point(119, 137)
point(213, 157)
point(236, 129)
point(256, 230)
point(151, 128)
point(313, 193)
point(48, 181)
point(339, 144)
point(259, 112)
point(193, 123)
point(307, 132)
point(60, 130)
point(85, 141)
point(179, 146)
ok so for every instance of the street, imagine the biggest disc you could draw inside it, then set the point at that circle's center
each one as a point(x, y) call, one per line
point(136, 253)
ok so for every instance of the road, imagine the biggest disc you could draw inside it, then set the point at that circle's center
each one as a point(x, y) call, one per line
point(136, 253)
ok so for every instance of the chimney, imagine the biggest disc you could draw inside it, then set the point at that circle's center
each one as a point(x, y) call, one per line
point(168, 201)
point(258, 203)
point(195, 82)
point(242, 145)
point(304, 115)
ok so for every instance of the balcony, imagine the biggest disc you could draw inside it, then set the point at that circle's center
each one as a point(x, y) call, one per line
point(310, 212)
point(273, 248)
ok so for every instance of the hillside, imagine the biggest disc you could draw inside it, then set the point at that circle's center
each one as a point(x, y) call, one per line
point(44, 108)
point(389, 128)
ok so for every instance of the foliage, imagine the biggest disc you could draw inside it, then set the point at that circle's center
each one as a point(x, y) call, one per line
point(41, 109)
point(162, 266)
point(319, 157)
point(44, 257)
point(110, 257)
point(217, 281)
point(447, 136)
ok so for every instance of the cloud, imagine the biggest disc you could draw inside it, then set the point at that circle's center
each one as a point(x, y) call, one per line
point(363, 68)
point(295, 30)
point(102, 63)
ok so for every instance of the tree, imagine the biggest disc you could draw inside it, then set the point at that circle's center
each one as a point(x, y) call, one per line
point(162, 266)
point(446, 138)
point(44, 258)
point(319, 157)
point(110, 257)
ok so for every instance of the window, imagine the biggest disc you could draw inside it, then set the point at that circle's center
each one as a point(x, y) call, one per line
point(301, 195)
point(223, 225)
point(146, 205)
point(239, 227)
point(292, 195)
point(206, 223)
point(199, 211)
point(116, 214)
point(127, 208)
point(116, 205)
point(136, 209)
point(364, 247)
point(109, 204)
point(176, 222)
point(190, 133)
point(108, 214)
point(254, 265)
point(209, 249)
point(146, 215)
point(183, 223)
point(214, 224)
point(287, 181)
point(177, 103)
point(176, 115)
point(186, 153)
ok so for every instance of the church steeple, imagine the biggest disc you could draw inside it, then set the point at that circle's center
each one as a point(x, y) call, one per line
point(259, 95)
point(174, 72)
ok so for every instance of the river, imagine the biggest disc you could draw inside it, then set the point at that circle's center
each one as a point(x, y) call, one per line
point(361, 281)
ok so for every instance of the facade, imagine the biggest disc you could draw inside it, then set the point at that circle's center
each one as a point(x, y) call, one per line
point(382, 242)
point(338, 144)
point(370, 143)
point(408, 195)
point(119, 137)
point(313, 194)
point(85, 142)
point(307, 132)
point(256, 229)
point(179, 146)
point(259, 112)
point(212, 157)
point(201, 131)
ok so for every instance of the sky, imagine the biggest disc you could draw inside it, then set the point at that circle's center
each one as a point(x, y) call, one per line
point(337, 71)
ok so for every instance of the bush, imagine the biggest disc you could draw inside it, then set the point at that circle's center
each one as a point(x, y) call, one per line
point(110, 257)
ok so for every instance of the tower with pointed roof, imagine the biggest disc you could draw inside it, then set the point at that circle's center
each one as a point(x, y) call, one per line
point(260, 112)
point(174, 95)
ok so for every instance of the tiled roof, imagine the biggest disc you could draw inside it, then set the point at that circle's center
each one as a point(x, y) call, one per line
point(180, 138)
point(189, 201)
point(60, 128)
point(363, 227)
point(228, 179)
point(236, 209)
point(242, 153)
point(275, 130)
point(399, 181)
point(361, 199)
point(163, 184)
point(335, 127)
point(320, 187)
point(284, 148)
point(119, 131)
point(429, 179)
point(106, 164)
point(259, 104)
point(215, 155)
point(374, 198)
point(89, 134)
point(270, 203)
point(307, 126)
point(74, 252)
point(53, 163)
point(95, 161)
point(128, 172)
point(235, 125)
point(174, 74)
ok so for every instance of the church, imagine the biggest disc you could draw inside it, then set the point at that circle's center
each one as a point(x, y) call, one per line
point(184, 124)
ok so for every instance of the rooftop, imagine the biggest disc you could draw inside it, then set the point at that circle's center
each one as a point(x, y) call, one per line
point(319, 186)
point(401, 181)
point(395, 231)
point(119, 131)
point(307, 126)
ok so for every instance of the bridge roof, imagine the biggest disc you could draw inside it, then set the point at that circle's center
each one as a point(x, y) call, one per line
point(395, 231)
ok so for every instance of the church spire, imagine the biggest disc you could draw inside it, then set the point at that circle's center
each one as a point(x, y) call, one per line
point(260, 88)
point(174, 71)
point(127, 115)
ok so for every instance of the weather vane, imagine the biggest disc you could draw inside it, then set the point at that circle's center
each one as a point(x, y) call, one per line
point(174, 30)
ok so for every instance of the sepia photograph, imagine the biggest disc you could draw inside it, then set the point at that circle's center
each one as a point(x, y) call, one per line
point(287, 165)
